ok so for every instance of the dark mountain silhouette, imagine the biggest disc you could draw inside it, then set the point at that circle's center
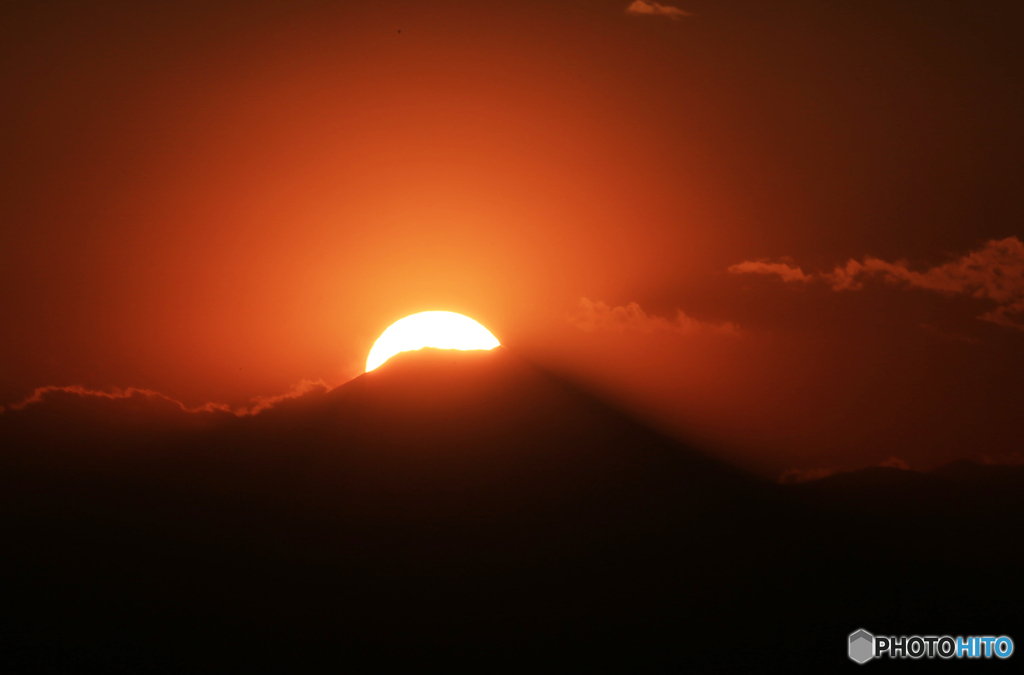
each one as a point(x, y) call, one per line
point(466, 509)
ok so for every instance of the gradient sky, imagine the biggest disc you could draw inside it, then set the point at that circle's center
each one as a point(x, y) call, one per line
point(788, 230)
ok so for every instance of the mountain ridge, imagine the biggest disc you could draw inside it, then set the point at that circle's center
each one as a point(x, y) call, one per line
point(444, 506)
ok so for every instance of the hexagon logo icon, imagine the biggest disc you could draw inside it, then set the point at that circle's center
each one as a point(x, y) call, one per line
point(862, 646)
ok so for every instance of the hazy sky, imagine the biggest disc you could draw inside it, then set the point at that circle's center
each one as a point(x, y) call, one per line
point(790, 230)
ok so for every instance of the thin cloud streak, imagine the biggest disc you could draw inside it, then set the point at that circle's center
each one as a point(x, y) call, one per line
point(600, 316)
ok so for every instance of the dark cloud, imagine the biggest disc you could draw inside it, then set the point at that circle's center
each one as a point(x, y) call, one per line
point(1015, 458)
point(55, 396)
point(796, 475)
point(793, 476)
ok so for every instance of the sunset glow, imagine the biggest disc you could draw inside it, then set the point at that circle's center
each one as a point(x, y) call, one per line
point(757, 269)
point(440, 330)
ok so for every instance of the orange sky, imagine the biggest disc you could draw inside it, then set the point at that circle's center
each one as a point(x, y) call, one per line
point(219, 200)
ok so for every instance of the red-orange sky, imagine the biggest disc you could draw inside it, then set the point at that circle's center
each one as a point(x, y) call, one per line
point(218, 200)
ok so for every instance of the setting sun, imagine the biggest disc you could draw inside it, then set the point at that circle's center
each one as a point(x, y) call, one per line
point(440, 330)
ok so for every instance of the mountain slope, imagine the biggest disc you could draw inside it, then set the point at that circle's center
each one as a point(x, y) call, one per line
point(458, 507)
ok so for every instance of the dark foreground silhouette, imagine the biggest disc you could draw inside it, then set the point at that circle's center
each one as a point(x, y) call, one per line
point(467, 510)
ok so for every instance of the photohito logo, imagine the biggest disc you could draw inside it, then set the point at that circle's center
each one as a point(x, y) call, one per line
point(863, 646)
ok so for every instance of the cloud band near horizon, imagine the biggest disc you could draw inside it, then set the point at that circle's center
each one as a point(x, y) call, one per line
point(133, 394)
point(994, 272)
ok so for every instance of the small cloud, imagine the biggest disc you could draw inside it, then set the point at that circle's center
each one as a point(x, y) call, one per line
point(995, 273)
point(895, 463)
point(599, 315)
point(782, 270)
point(794, 476)
point(650, 8)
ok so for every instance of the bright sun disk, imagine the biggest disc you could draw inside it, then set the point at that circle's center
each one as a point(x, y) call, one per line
point(440, 330)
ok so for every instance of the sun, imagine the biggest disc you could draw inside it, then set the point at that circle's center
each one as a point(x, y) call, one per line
point(440, 330)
